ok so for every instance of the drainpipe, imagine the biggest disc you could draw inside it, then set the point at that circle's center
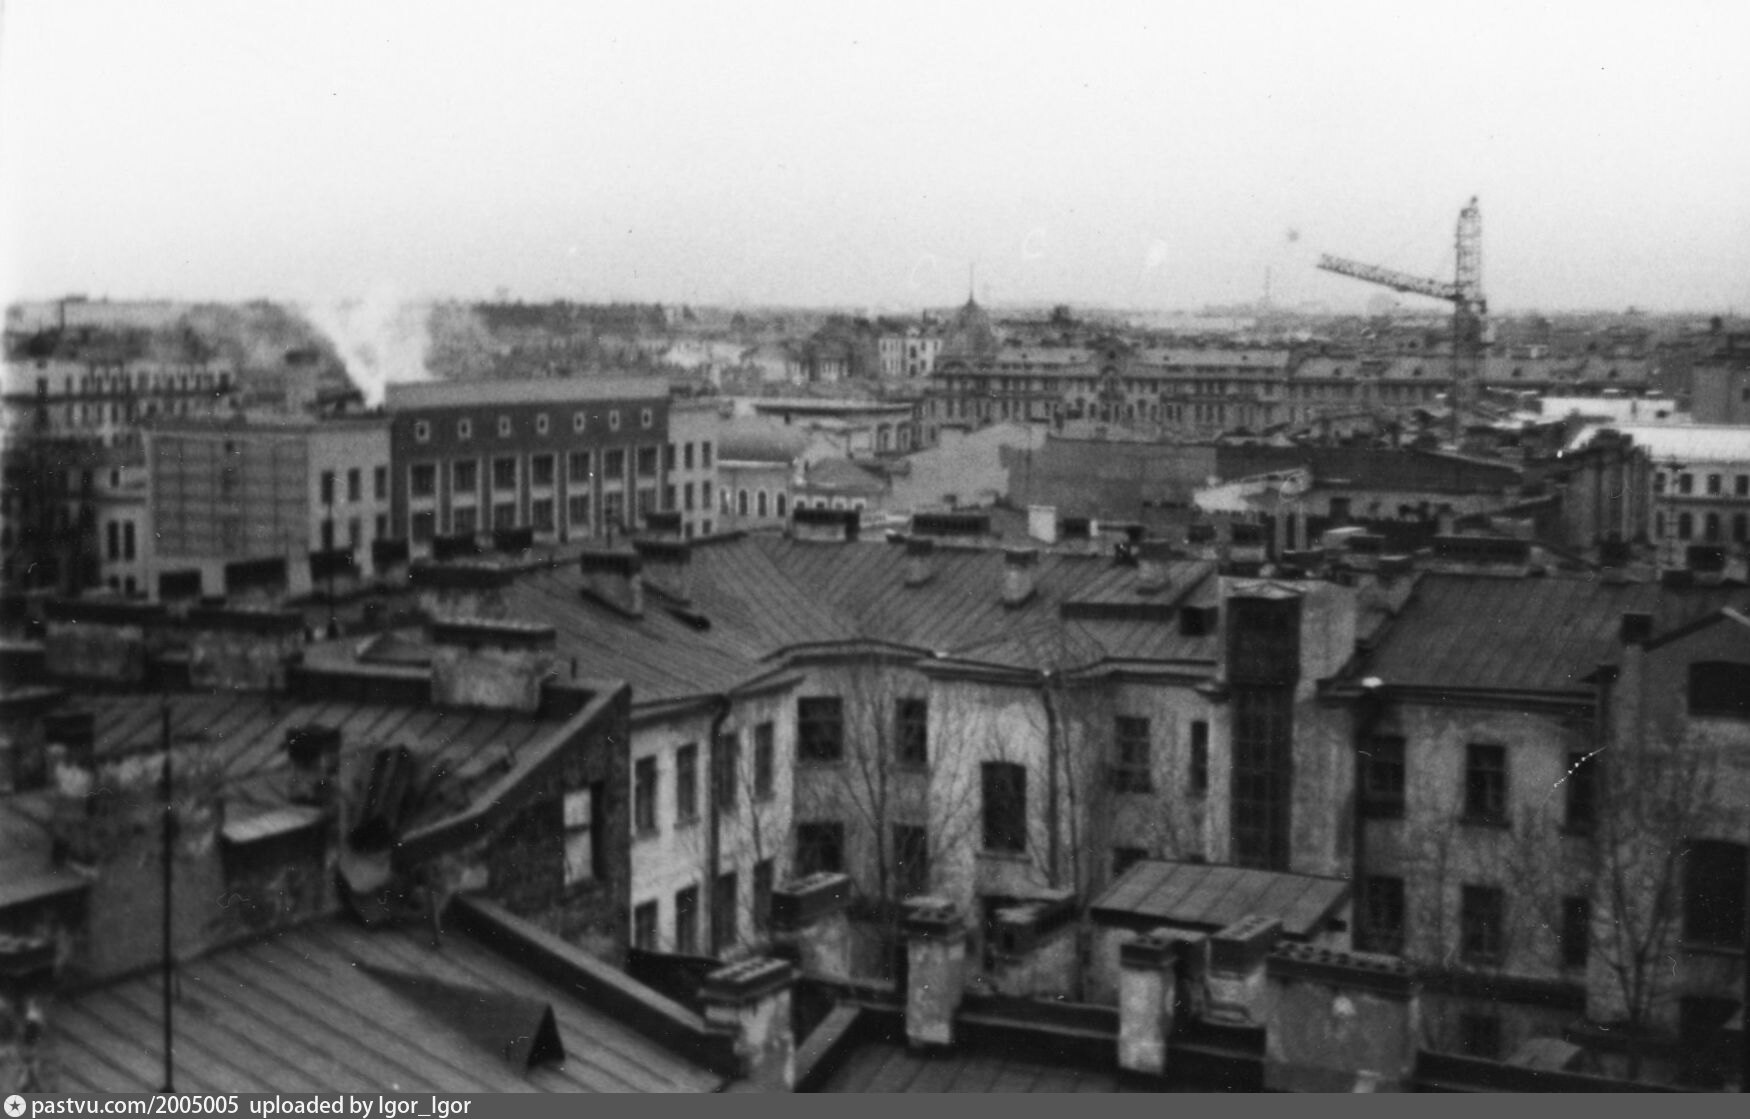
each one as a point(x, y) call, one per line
point(713, 836)
point(1051, 752)
point(1367, 712)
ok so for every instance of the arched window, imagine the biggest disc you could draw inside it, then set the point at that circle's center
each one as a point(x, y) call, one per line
point(783, 506)
point(761, 503)
point(741, 502)
point(1711, 526)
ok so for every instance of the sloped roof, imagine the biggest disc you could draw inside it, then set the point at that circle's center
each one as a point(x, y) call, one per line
point(842, 474)
point(1468, 632)
point(311, 1010)
point(1687, 443)
point(1209, 897)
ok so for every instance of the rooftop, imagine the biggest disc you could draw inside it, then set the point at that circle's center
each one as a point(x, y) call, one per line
point(544, 390)
point(330, 1007)
point(1207, 898)
point(1686, 443)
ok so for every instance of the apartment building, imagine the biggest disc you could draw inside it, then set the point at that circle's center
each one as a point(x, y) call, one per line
point(564, 458)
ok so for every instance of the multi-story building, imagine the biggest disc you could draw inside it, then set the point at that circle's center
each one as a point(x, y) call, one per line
point(909, 354)
point(109, 401)
point(694, 428)
point(1700, 501)
point(220, 494)
point(566, 458)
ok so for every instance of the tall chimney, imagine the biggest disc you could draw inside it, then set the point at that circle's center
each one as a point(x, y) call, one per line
point(920, 560)
point(668, 566)
point(1020, 567)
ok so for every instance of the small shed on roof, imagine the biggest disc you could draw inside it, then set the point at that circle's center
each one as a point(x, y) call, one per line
point(1202, 897)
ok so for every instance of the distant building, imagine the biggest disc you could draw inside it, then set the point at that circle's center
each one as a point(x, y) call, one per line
point(694, 428)
point(108, 401)
point(1700, 498)
point(565, 458)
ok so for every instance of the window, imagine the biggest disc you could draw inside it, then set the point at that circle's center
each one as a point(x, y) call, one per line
point(328, 487)
point(1710, 527)
point(764, 754)
point(422, 480)
point(820, 847)
point(423, 527)
point(1685, 526)
point(647, 462)
point(504, 474)
point(614, 509)
point(541, 423)
point(820, 728)
point(541, 470)
point(578, 420)
point(1741, 485)
point(464, 520)
point(354, 532)
point(380, 483)
point(687, 497)
point(577, 511)
point(1130, 772)
point(1382, 778)
point(912, 731)
point(614, 465)
point(1576, 931)
point(687, 457)
point(577, 466)
point(355, 485)
point(113, 538)
point(686, 921)
point(741, 503)
point(541, 514)
point(725, 916)
point(1740, 528)
point(614, 420)
point(1714, 484)
point(1262, 776)
point(1123, 858)
point(686, 783)
point(504, 515)
point(726, 764)
point(421, 432)
point(583, 840)
point(644, 796)
point(646, 417)
point(504, 427)
point(1582, 795)
point(668, 457)
point(1481, 924)
point(1199, 775)
point(1382, 915)
point(1719, 689)
point(1685, 483)
point(464, 429)
point(644, 927)
point(1485, 784)
point(763, 875)
point(465, 478)
point(705, 454)
point(1479, 1035)
point(783, 510)
point(1005, 807)
point(1713, 893)
point(911, 860)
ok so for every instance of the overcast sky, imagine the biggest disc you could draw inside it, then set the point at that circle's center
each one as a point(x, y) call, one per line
point(1150, 155)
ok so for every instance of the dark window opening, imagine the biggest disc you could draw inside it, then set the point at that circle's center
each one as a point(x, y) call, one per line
point(686, 783)
point(1005, 807)
point(686, 921)
point(1382, 778)
point(912, 730)
point(763, 761)
point(911, 861)
point(1713, 893)
point(820, 728)
point(1481, 925)
point(644, 796)
point(820, 848)
point(1485, 784)
point(1582, 796)
point(1199, 775)
point(1576, 931)
point(1382, 915)
point(1719, 689)
point(1130, 767)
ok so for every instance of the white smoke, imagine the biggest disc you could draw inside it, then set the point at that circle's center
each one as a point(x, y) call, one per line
point(383, 338)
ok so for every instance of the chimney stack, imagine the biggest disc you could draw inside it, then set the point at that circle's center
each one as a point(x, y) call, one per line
point(831, 526)
point(920, 560)
point(614, 577)
point(498, 665)
point(1020, 575)
point(1152, 559)
point(668, 566)
point(1042, 523)
point(1235, 979)
point(750, 1002)
point(811, 919)
point(935, 945)
point(663, 524)
point(1339, 1022)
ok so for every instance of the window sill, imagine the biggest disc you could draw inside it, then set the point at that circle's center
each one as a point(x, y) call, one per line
point(1495, 822)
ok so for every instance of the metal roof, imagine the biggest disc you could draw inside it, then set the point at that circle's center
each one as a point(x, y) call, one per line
point(543, 390)
point(1208, 897)
point(1687, 443)
point(317, 1009)
point(886, 1067)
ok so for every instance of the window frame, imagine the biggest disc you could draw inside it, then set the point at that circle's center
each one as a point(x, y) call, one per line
point(1383, 777)
point(911, 731)
point(1486, 787)
point(1132, 755)
point(820, 729)
point(645, 776)
point(686, 784)
point(1003, 808)
point(1482, 924)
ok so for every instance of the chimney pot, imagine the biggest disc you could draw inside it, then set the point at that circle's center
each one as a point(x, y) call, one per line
point(1019, 578)
point(920, 563)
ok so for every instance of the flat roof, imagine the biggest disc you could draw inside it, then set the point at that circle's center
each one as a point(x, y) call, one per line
point(1210, 897)
point(543, 390)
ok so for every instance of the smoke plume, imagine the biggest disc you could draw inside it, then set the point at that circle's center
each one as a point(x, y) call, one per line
point(382, 338)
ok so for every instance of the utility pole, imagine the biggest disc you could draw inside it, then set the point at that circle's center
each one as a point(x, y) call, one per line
point(168, 961)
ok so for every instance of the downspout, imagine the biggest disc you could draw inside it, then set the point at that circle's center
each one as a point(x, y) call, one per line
point(714, 821)
point(1368, 709)
point(1052, 825)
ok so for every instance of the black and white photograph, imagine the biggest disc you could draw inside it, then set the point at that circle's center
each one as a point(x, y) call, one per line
point(860, 548)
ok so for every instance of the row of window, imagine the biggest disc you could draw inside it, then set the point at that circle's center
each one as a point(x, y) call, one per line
point(1682, 526)
point(686, 941)
point(1714, 485)
point(506, 470)
point(1384, 771)
point(726, 775)
point(820, 730)
point(542, 518)
point(1132, 768)
point(1712, 914)
point(507, 426)
point(355, 488)
point(120, 383)
point(686, 456)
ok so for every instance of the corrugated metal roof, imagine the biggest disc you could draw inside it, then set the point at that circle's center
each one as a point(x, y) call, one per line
point(310, 1011)
point(1209, 897)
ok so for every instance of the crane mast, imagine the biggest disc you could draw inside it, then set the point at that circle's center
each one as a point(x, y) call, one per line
point(1465, 293)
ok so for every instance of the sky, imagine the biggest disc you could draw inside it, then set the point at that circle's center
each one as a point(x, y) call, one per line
point(873, 155)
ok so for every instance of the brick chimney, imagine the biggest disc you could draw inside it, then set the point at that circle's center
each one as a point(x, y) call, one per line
point(750, 1002)
point(663, 524)
point(827, 526)
point(1152, 560)
point(460, 589)
point(1020, 575)
point(935, 945)
point(1235, 977)
point(497, 665)
point(811, 921)
point(920, 560)
point(242, 649)
point(614, 577)
point(94, 640)
point(668, 566)
point(1339, 1021)
point(1034, 947)
point(1147, 989)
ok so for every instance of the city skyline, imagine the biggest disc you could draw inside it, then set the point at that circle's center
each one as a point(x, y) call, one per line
point(1137, 159)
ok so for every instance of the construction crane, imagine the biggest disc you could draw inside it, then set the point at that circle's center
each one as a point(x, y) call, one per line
point(1465, 293)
